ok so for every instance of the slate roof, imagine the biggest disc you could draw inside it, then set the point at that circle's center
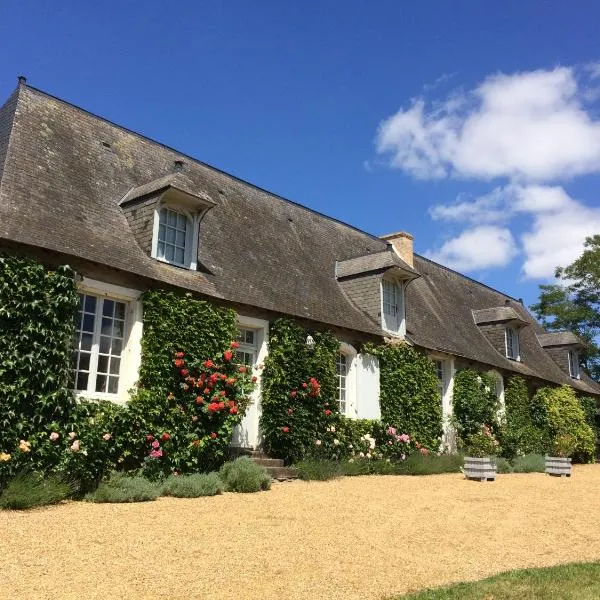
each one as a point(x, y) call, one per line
point(374, 262)
point(63, 172)
point(496, 314)
point(559, 338)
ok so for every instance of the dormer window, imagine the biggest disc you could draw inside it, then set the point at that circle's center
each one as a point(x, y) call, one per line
point(512, 343)
point(392, 306)
point(173, 242)
point(574, 364)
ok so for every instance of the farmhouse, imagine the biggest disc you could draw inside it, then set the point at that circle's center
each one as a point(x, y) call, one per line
point(130, 214)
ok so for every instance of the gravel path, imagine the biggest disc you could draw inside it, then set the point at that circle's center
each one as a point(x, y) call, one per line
point(358, 537)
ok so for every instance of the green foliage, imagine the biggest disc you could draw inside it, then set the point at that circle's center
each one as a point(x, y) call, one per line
point(503, 465)
point(295, 414)
point(27, 490)
point(519, 435)
point(529, 463)
point(480, 444)
point(244, 475)
point(558, 413)
point(432, 464)
point(592, 415)
point(475, 402)
point(37, 325)
point(121, 488)
point(313, 469)
point(574, 304)
point(192, 486)
point(173, 323)
point(409, 395)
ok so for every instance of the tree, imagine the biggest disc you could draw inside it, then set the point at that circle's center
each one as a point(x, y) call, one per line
point(574, 303)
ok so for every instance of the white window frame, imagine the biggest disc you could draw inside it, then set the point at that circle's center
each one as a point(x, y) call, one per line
point(191, 238)
point(513, 351)
point(350, 353)
point(446, 388)
point(249, 348)
point(400, 308)
point(131, 352)
point(573, 359)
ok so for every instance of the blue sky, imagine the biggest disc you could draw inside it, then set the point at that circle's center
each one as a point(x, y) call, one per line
point(473, 125)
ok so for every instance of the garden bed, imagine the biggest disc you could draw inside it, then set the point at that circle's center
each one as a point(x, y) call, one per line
point(356, 537)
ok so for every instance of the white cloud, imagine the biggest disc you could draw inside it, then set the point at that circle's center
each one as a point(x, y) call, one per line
point(530, 126)
point(556, 225)
point(477, 248)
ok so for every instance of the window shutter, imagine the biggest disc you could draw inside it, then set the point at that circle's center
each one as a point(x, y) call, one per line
point(367, 397)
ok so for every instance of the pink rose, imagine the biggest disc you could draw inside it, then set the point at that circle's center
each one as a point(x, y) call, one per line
point(106, 437)
point(72, 435)
point(155, 444)
point(156, 453)
point(54, 436)
point(391, 431)
point(75, 446)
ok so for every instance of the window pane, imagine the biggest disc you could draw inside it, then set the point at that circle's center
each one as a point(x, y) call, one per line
point(90, 304)
point(160, 250)
point(88, 323)
point(104, 344)
point(82, 381)
point(115, 364)
point(102, 364)
point(179, 256)
point(169, 252)
point(113, 385)
point(108, 308)
point(101, 383)
point(116, 347)
point(119, 310)
point(162, 217)
point(171, 218)
point(181, 221)
point(180, 239)
point(106, 326)
point(81, 301)
point(78, 321)
point(84, 361)
point(86, 341)
point(170, 235)
point(118, 329)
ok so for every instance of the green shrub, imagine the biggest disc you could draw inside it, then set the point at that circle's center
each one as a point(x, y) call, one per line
point(418, 464)
point(592, 414)
point(244, 475)
point(353, 467)
point(530, 463)
point(409, 395)
point(503, 465)
point(192, 486)
point(123, 488)
point(294, 417)
point(319, 470)
point(480, 444)
point(519, 435)
point(558, 412)
point(27, 490)
point(474, 402)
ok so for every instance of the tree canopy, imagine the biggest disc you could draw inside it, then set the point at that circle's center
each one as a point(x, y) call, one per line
point(574, 303)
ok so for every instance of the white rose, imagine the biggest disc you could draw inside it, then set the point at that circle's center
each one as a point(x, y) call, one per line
point(336, 442)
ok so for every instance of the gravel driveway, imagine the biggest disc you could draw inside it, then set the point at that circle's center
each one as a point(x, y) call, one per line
point(358, 537)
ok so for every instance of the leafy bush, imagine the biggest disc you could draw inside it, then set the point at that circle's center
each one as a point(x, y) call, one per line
point(530, 463)
point(592, 414)
point(409, 395)
point(558, 413)
point(27, 490)
point(244, 475)
point(519, 435)
point(432, 464)
point(474, 402)
point(37, 324)
point(353, 467)
point(480, 444)
point(123, 488)
point(295, 415)
point(192, 486)
point(319, 470)
point(503, 465)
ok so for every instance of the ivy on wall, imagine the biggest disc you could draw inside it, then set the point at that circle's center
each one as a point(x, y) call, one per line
point(474, 402)
point(174, 322)
point(293, 418)
point(37, 326)
point(409, 395)
point(519, 435)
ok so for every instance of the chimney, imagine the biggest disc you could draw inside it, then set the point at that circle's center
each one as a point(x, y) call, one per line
point(403, 245)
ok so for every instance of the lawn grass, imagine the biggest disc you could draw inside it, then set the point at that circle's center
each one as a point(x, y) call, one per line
point(577, 581)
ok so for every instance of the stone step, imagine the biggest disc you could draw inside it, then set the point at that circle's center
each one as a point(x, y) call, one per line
point(282, 473)
point(267, 462)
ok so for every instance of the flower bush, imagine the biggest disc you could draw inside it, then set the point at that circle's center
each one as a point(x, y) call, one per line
point(481, 444)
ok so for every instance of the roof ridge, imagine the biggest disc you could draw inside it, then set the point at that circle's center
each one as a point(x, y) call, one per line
point(485, 285)
point(197, 160)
